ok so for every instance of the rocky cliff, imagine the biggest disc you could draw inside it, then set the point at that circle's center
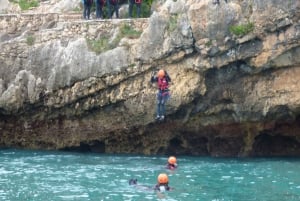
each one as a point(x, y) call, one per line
point(69, 84)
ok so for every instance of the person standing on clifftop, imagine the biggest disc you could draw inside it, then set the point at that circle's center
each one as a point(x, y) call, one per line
point(99, 8)
point(218, 1)
point(162, 79)
point(138, 4)
point(87, 4)
point(115, 5)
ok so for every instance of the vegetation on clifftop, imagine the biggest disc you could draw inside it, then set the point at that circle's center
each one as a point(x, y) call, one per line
point(26, 4)
point(103, 44)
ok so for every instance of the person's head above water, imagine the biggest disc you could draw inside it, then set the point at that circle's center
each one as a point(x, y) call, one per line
point(172, 163)
point(172, 160)
point(132, 182)
point(162, 183)
point(162, 178)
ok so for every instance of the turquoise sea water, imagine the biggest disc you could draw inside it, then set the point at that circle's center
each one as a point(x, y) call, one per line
point(44, 175)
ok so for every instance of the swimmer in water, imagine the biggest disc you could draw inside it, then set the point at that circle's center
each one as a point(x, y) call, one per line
point(132, 182)
point(161, 186)
point(172, 163)
point(162, 183)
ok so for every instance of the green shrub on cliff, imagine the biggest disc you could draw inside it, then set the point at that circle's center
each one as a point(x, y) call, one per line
point(26, 4)
point(30, 40)
point(98, 46)
point(129, 32)
point(172, 25)
point(242, 29)
point(103, 44)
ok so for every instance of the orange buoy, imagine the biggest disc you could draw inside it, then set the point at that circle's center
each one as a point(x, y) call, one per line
point(161, 73)
point(172, 160)
point(162, 178)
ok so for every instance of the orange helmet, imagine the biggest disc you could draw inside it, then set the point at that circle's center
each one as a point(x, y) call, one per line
point(162, 178)
point(161, 73)
point(172, 160)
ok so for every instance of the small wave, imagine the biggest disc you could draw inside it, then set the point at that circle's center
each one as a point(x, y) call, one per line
point(72, 197)
point(238, 178)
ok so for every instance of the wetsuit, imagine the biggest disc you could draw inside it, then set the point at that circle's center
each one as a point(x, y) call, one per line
point(171, 166)
point(162, 187)
point(163, 94)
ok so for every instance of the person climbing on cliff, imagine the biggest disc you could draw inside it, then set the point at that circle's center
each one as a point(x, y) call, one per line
point(162, 79)
point(87, 5)
point(99, 8)
point(172, 163)
point(138, 4)
point(115, 5)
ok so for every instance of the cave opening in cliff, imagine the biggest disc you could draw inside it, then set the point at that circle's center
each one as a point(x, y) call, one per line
point(93, 146)
point(188, 143)
point(226, 146)
point(280, 113)
point(198, 145)
point(266, 145)
point(175, 146)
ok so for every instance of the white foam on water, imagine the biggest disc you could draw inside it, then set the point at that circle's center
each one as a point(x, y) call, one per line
point(148, 197)
point(4, 172)
point(226, 177)
point(130, 195)
point(238, 178)
point(113, 194)
point(91, 175)
point(73, 197)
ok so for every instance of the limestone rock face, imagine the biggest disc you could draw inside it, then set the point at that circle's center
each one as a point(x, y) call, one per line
point(85, 85)
point(7, 7)
point(4, 5)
